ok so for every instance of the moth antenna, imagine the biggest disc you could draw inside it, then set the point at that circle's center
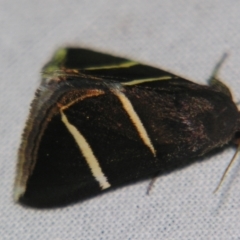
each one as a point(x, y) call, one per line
point(227, 169)
point(219, 65)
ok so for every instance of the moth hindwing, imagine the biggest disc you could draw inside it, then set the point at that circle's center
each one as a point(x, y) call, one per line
point(98, 122)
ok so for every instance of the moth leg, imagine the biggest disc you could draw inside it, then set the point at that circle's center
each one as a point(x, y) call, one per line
point(229, 166)
point(150, 186)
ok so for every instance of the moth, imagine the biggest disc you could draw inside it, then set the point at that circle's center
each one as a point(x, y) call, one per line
point(98, 122)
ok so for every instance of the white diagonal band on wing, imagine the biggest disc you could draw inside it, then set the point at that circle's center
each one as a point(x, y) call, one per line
point(135, 120)
point(87, 153)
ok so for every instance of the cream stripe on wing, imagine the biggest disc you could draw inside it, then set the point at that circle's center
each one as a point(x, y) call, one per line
point(145, 80)
point(135, 120)
point(126, 64)
point(87, 153)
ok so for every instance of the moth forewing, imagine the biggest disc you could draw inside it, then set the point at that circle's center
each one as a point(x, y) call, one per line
point(98, 122)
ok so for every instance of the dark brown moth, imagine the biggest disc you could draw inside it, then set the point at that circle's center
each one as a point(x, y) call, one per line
point(98, 122)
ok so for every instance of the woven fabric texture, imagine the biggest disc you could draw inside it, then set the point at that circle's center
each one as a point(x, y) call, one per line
point(187, 37)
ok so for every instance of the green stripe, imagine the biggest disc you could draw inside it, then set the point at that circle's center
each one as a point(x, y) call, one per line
point(145, 80)
point(126, 64)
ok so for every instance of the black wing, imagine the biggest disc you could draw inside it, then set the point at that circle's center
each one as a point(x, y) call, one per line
point(99, 122)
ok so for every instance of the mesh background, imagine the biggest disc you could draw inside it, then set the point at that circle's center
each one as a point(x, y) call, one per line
point(187, 37)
